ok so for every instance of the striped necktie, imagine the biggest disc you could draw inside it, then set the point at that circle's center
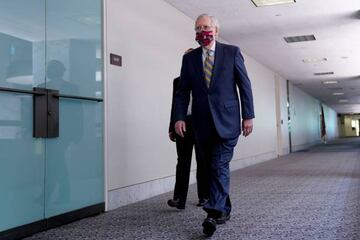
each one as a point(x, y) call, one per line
point(208, 66)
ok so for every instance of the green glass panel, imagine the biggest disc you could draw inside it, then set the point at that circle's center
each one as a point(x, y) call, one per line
point(59, 41)
point(21, 163)
point(74, 46)
point(74, 169)
point(22, 63)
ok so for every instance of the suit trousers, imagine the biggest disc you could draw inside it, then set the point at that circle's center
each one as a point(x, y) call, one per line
point(218, 153)
point(184, 148)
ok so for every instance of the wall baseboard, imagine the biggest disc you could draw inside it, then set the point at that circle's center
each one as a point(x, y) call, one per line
point(135, 193)
point(237, 164)
point(304, 146)
point(285, 151)
point(131, 194)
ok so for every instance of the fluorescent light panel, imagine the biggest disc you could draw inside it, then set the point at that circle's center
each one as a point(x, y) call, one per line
point(330, 82)
point(343, 101)
point(262, 3)
point(338, 93)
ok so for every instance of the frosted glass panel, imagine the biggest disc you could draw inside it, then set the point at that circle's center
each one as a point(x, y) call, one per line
point(74, 43)
point(44, 177)
point(21, 164)
point(22, 45)
point(75, 169)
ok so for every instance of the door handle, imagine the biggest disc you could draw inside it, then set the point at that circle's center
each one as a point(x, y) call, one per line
point(46, 109)
point(46, 114)
point(78, 97)
point(20, 91)
point(40, 110)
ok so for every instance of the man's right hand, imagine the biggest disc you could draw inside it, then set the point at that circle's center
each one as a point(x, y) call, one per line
point(172, 136)
point(180, 128)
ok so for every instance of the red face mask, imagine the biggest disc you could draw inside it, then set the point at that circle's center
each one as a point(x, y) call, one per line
point(204, 38)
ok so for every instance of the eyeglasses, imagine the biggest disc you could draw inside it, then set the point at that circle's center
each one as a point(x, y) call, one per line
point(203, 28)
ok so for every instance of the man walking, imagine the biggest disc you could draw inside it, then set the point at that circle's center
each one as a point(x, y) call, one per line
point(211, 74)
point(184, 149)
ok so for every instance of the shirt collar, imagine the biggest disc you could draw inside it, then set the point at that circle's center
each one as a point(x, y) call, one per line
point(212, 49)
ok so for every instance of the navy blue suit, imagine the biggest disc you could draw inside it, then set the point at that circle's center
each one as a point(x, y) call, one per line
point(216, 113)
point(184, 149)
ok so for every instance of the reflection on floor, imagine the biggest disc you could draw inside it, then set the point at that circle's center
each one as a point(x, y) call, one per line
point(312, 194)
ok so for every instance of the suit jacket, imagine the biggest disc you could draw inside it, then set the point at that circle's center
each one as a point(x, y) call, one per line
point(219, 104)
point(172, 120)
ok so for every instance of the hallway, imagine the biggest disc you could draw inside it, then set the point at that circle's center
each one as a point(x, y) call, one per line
point(312, 194)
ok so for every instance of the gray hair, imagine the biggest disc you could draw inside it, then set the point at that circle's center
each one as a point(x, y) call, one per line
point(213, 19)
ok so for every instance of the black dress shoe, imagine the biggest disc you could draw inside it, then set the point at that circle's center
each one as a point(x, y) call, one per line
point(224, 217)
point(202, 202)
point(209, 226)
point(176, 203)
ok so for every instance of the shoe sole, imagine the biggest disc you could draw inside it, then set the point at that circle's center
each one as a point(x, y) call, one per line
point(175, 205)
point(209, 229)
point(222, 221)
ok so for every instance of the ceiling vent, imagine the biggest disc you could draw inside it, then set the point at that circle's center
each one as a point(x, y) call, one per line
point(323, 73)
point(314, 60)
point(303, 38)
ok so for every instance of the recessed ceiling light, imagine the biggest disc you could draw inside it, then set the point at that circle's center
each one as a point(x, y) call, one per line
point(323, 73)
point(343, 101)
point(314, 60)
point(303, 38)
point(261, 3)
point(330, 82)
point(338, 93)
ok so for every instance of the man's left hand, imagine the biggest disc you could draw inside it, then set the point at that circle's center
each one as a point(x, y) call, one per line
point(247, 126)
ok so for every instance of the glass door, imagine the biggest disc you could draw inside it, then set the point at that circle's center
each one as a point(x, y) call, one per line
point(74, 160)
point(55, 47)
point(22, 157)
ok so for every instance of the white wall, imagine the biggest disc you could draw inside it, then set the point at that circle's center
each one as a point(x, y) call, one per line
point(262, 143)
point(151, 37)
point(305, 120)
point(282, 119)
point(331, 123)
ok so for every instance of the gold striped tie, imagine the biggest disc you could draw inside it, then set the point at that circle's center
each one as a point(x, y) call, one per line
point(208, 66)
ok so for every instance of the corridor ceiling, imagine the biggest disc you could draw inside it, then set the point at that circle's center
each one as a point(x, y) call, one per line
point(260, 32)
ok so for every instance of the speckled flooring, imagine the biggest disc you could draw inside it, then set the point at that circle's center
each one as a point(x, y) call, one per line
point(312, 194)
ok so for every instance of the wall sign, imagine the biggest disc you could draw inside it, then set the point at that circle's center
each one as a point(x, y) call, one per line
point(115, 60)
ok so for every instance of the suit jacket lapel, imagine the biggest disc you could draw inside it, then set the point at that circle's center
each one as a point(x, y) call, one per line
point(198, 62)
point(219, 56)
